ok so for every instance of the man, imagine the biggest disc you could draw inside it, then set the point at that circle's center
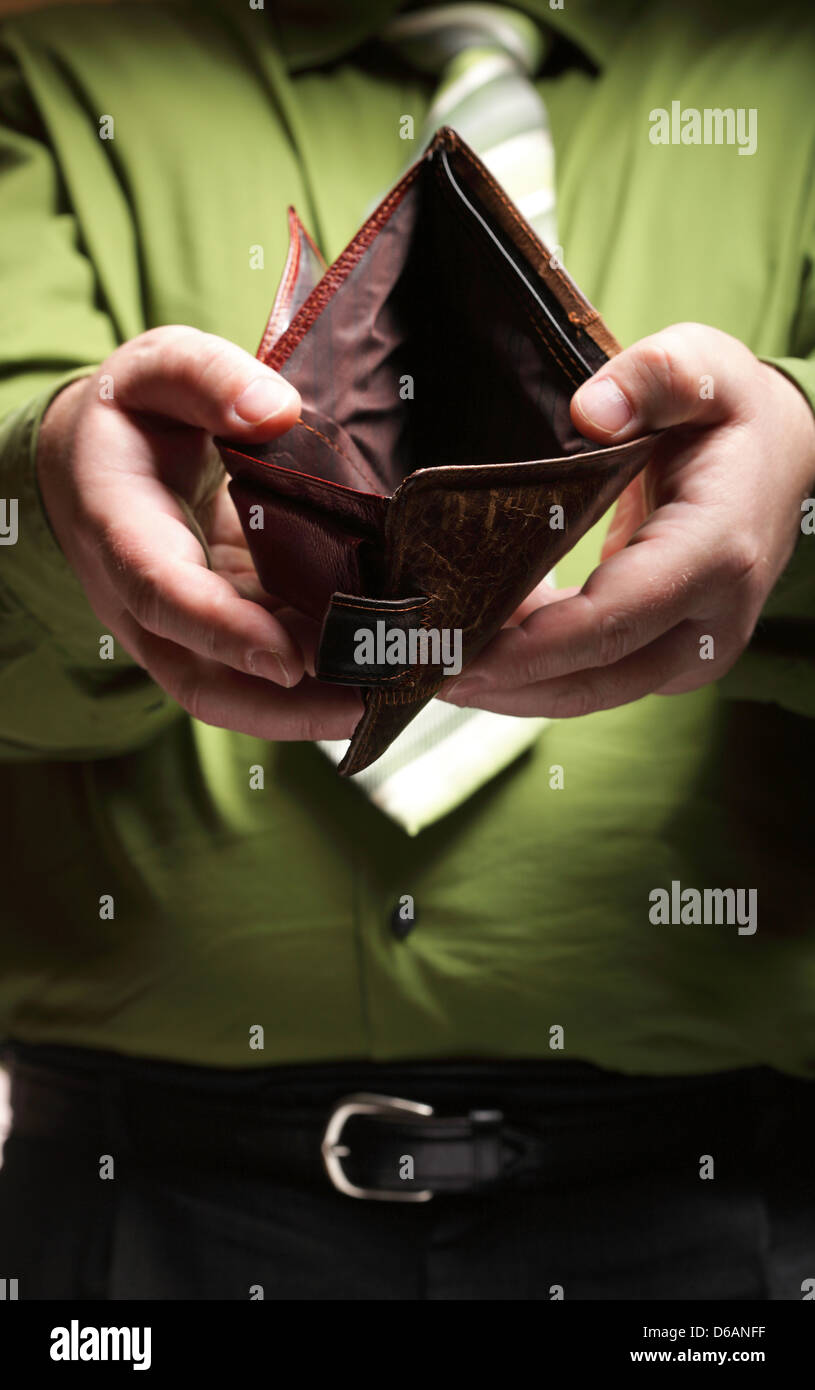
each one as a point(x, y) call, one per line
point(199, 966)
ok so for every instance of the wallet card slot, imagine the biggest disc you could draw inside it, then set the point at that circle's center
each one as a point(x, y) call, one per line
point(577, 318)
point(284, 476)
point(496, 377)
point(511, 260)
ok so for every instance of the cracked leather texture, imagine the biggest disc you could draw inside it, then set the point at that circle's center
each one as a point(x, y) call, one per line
point(435, 359)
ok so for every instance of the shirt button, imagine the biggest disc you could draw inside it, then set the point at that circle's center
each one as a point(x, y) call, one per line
point(403, 918)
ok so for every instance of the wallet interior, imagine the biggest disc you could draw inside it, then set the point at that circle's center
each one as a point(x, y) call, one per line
point(440, 346)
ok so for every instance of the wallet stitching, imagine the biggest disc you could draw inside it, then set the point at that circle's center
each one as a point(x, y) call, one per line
point(409, 694)
point(271, 333)
point(299, 234)
point(535, 318)
point(362, 749)
point(371, 524)
point(574, 295)
point(612, 452)
point(336, 450)
point(341, 269)
point(365, 607)
point(341, 679)
point(538, 321)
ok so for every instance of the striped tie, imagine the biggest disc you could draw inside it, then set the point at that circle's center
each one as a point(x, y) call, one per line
point(484, 57)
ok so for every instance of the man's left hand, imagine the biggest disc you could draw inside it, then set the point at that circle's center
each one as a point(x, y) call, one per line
point(696, 543)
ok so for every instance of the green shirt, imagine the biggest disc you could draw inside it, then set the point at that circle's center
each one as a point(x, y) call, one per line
point(236, 907)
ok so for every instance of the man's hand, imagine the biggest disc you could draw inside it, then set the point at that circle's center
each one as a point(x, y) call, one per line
point(696, 544)
point(123, 477)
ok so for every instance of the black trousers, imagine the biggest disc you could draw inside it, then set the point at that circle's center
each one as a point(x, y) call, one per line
point(684, 1188)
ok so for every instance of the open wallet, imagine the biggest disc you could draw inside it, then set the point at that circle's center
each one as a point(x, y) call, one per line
point(434, 476)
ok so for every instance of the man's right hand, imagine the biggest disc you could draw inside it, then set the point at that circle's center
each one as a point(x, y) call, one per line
point(112, 470)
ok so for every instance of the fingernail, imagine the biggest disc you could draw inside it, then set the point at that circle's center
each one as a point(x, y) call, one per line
point(263, 398)
point(271, 666)
point(603, 404)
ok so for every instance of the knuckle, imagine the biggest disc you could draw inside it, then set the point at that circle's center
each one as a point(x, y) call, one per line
point(740, 562)
point(532, 667)
point(617, 635)
point(144, 347)
point(144, 598)
point(190, 695)
point(168, 350)
point(210, 645)
point(162, 336)
point(213, 636)
point(114, 551)
point(308, 728)
point(665, 365)
point(134, 643)
point(575, 700)
point(219, 365)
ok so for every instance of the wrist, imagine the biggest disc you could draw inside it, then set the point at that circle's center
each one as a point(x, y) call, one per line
point(55, 439)
point(798, 425)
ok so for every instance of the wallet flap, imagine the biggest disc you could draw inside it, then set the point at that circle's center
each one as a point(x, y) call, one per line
point(303, 270)
point(352, 346)
point(283, 475)
point(479, 539)
point(312, 554)
point(498, 543)
point(375, 642)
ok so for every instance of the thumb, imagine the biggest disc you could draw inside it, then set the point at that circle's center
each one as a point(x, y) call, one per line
point(687, 374)
point(201, 380)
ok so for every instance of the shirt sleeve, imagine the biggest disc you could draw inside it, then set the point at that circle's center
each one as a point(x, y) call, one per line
point(58, 695)
point(779, 663)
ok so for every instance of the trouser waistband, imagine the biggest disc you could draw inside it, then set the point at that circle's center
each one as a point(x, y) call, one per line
point(490, 1124)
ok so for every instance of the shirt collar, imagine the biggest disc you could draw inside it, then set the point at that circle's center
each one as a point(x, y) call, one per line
point(312, 32)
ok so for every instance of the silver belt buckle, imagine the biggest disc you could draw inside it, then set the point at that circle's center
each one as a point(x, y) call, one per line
point(334, 1151)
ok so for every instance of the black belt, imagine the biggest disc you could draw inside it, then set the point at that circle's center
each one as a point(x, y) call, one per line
point(518, 1125)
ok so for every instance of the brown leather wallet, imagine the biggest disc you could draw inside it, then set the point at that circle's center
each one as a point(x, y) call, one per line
point(434, 475)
